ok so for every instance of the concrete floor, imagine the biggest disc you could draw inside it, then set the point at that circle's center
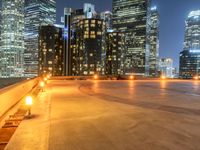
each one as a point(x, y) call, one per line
point(113, 115)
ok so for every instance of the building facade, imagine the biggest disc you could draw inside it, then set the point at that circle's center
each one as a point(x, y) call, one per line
point(189, 64)
point(51, 58)
point(37, 13)
point(107, 17)
point(115, 46)
point(132, 17)
point(166, 67)
point(153, 60)
point(12, 39)
point(87, 44)
point(73, 22)
point(190, 56)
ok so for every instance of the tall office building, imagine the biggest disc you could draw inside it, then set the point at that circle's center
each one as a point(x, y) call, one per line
point(166, 67)
point(152, 65)
point(37, 13)
point(131, 17)
point(190, 56)
point(51, 50)
point(87, 44)
point(107, 17)
point(115, 46)
point(89, 10)
point(71, 18)
point(12, 42)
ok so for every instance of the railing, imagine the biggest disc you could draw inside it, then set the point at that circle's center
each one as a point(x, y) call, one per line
point(11, 95)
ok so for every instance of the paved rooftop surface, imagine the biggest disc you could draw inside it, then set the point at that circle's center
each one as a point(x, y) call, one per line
point(113, 115)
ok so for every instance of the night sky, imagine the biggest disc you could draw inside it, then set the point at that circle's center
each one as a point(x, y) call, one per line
point(172, 18)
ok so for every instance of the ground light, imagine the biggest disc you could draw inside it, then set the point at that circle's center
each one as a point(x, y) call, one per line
point(45, 79)
point(95, 77)
point(42, 84)
point(29, 103)
point(131, 77)
point(196, 78)
point(163, 77)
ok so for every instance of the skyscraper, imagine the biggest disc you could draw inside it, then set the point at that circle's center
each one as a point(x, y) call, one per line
point(152, 62)
point(51, 50)
point(190, 56)
point(12, 42)
point(71, 19)
point(37, 13)
point(166, 67)
point(131, 17)
point(115, 45)
point(107, 17)
point(87, 44)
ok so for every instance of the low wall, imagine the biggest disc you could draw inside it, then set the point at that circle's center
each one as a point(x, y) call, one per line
point(4, 82)
point(9, 96)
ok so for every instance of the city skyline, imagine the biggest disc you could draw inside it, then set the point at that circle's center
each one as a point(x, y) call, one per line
point(172, 20)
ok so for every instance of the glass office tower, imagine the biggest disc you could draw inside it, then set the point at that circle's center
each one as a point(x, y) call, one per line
point(131, 17)
point(153, 57)
point(37, 13)
point(190, 56)
point(12, 42)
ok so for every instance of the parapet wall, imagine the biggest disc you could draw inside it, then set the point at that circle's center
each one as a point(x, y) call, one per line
point(9, 96)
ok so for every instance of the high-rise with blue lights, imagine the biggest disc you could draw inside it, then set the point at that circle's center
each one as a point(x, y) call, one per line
point(37, 13)
point(152, 59)
point(190, 56)
point(12, 39)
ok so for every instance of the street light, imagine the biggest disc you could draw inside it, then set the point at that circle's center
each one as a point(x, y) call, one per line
point(196, 78)
point(42, 84)
point(45, 79)
point(29, 103)
point(163, 77)
point(131, 77)
point(95, 77)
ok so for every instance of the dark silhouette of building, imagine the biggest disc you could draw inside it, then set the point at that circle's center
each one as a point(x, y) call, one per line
point(51, 52)
point(115, 46)
point(87, 45)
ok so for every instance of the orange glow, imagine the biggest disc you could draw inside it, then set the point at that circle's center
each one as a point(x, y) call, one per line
point(95, 77)
point(131, 77)
point(42, 84)
point(45, 79)
point(29, 100)
point(163, 77)
point(196, 78)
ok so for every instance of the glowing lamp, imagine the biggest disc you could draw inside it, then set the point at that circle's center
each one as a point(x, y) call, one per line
point(29, 101)
point(131, 77)
point(42, 84)
point(95, 77)
point(163, 77)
